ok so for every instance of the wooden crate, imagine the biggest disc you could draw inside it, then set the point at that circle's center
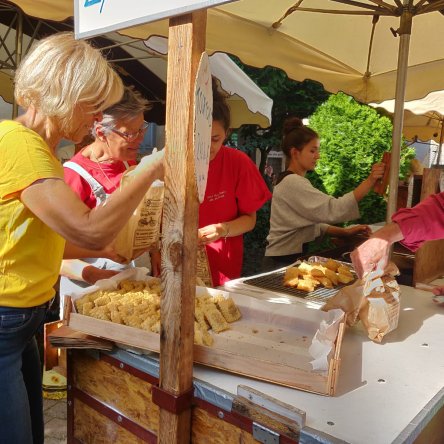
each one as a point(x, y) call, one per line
point(269, 343)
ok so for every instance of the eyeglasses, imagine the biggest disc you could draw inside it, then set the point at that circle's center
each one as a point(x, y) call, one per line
point(131, 137)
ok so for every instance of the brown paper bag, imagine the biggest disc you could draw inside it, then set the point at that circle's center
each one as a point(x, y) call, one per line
point(373, 300)
point(381, 308)
point(349, 299)
point(143, 228)
point(203, 272)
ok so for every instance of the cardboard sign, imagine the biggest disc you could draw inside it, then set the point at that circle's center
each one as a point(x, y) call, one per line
point(203, 119)
point(96, 17)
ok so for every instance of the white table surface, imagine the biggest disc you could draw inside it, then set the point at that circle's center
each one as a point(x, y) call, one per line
point(383, 389)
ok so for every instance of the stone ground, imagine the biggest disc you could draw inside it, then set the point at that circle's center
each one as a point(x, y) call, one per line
point(55, 421)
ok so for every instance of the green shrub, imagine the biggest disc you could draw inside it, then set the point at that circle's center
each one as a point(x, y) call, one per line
point(353, 138)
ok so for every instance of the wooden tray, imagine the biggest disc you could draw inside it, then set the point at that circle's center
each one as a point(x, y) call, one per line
point(269, 343)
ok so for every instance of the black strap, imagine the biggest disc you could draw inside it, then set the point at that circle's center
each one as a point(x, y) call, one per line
point(283, 175)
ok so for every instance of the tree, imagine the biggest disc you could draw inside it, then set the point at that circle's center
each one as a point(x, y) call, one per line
point(353, 138)
point(289, 98)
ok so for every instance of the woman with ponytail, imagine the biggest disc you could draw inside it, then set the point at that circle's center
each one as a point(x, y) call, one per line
point(301, 213)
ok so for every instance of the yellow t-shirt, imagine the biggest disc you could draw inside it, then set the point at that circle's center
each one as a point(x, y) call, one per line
point(30, 252)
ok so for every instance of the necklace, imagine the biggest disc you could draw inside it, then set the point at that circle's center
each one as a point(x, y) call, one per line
point(101, 169)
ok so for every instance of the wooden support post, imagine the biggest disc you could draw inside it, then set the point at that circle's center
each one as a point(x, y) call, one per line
point(179, 227)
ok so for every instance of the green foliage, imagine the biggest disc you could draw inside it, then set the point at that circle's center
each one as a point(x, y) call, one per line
point(353, 138)
point(289, 98)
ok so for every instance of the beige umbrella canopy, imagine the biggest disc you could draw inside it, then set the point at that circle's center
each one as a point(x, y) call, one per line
point(348, 45)
point(248, 103)
point(423, 118)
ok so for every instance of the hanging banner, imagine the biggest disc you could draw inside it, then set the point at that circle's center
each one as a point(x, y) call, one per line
point(96, 17)
point(203, 120)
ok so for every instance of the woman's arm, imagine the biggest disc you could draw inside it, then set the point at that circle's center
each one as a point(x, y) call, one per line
point(82, 271)
point(373, 253)
point(74, 252)
point(364, 188)
point(52, 201)
point(235, 227)
point(349, 231)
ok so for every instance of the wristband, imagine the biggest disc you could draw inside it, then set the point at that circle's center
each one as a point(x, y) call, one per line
point(227, 230)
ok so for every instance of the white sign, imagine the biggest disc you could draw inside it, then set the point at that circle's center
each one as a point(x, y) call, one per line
point(203, 120)
point(95, 17)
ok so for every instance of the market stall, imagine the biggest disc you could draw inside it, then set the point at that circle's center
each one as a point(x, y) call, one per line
point(106, 401)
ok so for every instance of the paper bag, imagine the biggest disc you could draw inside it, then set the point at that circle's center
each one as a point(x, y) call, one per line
point(203, 272)
point(374, 300)
point(380, 310)
point(143, 228)
point(349, 299)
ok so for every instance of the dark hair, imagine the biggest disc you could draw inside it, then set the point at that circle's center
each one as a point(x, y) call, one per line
point(296, 135)
point(221, 111)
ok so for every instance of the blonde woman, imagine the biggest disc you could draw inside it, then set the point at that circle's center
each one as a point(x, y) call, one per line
point(64, 85)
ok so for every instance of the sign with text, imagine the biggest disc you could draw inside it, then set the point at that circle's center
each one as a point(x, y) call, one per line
point(95, 17)
point(203, 119)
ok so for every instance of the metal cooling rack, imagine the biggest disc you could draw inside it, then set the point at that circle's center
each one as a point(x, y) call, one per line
point(274, 281)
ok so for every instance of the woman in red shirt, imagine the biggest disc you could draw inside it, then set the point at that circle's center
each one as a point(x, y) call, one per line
point(235, 191)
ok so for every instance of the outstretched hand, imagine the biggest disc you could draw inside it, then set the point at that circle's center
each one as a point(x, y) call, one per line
point(154, 161)
point(358, 229)
point(371, 255)
point(377, 171)
point(93, 274)
point(438, 291)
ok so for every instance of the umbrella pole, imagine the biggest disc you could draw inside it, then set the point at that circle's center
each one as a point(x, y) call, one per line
point(18, 54)
point(441, 137)
point(404, 43)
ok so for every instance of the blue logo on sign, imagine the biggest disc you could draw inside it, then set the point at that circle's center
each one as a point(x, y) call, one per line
point(94, 2)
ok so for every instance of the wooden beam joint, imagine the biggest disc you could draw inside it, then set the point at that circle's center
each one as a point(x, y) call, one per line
point(170, 402)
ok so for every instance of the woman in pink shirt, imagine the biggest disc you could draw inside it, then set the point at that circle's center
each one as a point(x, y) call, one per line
point(410, 226)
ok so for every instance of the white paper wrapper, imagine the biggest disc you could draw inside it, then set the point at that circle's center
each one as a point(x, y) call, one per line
point(323, 340)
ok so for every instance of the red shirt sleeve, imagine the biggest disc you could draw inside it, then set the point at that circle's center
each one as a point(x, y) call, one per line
point(251, 190)
point(422, 222)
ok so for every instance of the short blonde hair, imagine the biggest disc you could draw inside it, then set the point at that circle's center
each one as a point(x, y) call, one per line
point(60, 73)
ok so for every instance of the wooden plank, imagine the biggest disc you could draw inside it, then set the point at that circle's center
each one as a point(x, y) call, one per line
point(51, 355)
point(116, 389)
point(115, 332)
point(272, 404)
point(205, 425)
point(186, 42)
point(270, 420)
point(429, 260)
point(92, 427)
point(430, 182)
point(335, 363)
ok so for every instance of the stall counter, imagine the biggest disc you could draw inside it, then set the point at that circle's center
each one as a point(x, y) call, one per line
point(387, 393)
